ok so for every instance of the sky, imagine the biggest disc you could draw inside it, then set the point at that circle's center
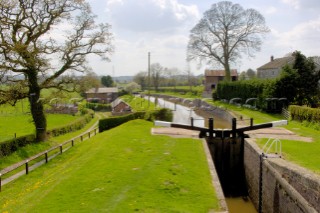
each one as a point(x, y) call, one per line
point(162, 27)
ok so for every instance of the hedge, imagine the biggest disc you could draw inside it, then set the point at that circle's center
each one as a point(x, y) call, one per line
point(256, 88)
point(302, 113)
point(75, 125)
point(109, 123)
point(99, 107)
point(10, 146)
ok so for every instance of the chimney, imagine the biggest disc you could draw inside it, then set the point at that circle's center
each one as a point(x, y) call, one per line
point(271, 58)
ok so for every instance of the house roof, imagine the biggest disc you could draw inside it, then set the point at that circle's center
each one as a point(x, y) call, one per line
point(215, 73)
point(117, 102)
point(277, 63)
point(103, 90)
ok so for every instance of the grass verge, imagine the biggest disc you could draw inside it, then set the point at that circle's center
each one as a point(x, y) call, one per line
point(125, 169)
point(25, 152)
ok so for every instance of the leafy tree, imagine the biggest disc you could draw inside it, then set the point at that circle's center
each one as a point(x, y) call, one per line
point(41, 42)
point(107, 81)
point(88, 81)
point(299, 83)
point(286, 85)
point(308, 79)
point(224, 33)
point(251, 73)
point(243, 76)
point(131, 87)
point(141, 78)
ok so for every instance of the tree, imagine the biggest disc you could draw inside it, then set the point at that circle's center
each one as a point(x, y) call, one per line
point(243, 76)
point(156, 72)
point(300, 82)
point(286, 85)
point(308, 81)
point(88, 81)
point(107, 81)
point(42, 41)
point(224, 33)
point(251, 73)
point(131, 87)
point(141, 78)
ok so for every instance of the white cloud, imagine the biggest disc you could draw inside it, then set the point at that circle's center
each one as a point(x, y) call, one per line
point(150, 15)
point(303, 4)
point(271, 10)
point(303, 37)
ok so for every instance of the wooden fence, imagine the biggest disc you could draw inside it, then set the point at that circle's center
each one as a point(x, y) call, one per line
point(24, 167)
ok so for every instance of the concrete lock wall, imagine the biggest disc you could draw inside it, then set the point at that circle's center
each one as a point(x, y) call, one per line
point(285, 187)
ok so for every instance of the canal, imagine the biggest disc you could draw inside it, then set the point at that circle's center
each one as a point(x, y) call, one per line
point(182, 115)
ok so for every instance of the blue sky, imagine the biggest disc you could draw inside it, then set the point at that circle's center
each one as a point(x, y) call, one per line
point(162, 27)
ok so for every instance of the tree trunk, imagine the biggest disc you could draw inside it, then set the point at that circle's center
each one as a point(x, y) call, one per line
point(227, 70)
point(37, 110)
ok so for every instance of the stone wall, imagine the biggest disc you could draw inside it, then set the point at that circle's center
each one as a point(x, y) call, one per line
point(286, 187)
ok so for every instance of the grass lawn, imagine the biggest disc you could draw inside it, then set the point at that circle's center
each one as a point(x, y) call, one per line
point(138, 103)
point(22, 124)
point(125, 169)
point(27, 151)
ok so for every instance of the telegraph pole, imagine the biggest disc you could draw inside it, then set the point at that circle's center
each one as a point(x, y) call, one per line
point(148, 79)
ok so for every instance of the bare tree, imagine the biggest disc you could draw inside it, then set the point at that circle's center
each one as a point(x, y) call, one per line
point(40, 41)
point(224, 33)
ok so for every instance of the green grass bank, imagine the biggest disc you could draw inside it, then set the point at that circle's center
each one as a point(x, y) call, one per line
point(125, 169)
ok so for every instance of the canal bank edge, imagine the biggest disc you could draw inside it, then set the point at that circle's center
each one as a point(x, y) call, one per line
point(215, 179)
point(286, 187)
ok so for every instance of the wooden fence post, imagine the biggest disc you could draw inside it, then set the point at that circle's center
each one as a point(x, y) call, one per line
point(27, 167)
point(72, 142)
point(60, 149)
point(0, 182)
point(46, 156)
point(81, 137)
point(89, 134)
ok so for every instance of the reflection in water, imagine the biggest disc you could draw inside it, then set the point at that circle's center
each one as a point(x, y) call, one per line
point(181, 114)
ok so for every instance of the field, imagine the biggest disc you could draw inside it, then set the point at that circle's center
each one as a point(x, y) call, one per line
point(21, 124)
point(125, 169)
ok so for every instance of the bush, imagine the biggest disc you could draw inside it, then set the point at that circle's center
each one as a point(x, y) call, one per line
point(9, 146)
point(99, 107)
point(302, 113)
point(75, 125)
point(109, 123)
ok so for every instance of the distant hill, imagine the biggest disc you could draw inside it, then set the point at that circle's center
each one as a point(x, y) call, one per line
point(123, 79)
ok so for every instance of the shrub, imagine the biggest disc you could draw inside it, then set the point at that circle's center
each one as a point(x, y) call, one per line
point(108, 123)
point(9, 146)
point(98, 107)
point(302, 113)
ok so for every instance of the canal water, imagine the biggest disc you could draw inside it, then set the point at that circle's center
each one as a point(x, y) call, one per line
point(182, 115)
